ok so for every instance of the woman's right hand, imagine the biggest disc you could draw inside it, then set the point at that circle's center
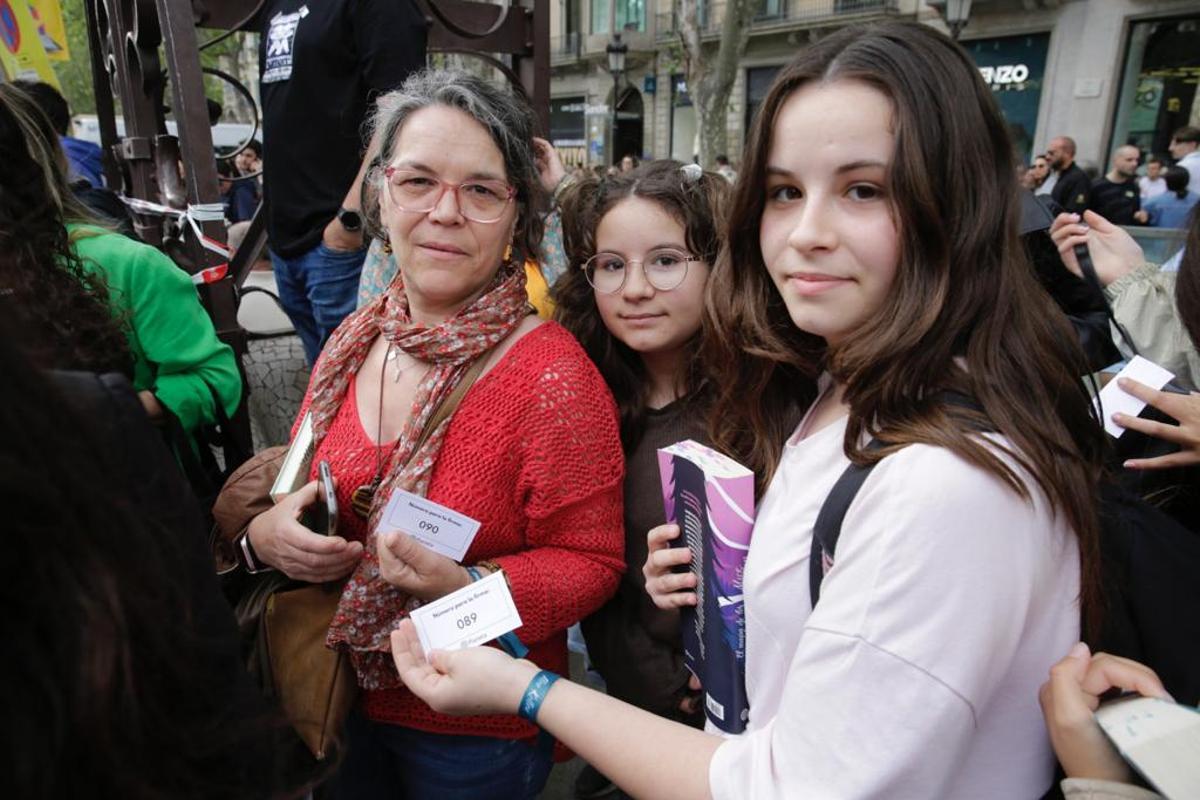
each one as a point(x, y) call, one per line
point(666, 588)
point(1114, 252)
point(283, 543)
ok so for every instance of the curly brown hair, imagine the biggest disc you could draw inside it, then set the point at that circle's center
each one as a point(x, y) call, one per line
point(61, 309)
point(699, 206)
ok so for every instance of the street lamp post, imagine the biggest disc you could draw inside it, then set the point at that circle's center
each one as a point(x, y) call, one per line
point(956, 13)
point(616, 51)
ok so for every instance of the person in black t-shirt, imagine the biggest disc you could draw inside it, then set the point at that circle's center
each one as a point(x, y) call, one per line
point(1116, 196)
point(1072, 189)
point(322, 62)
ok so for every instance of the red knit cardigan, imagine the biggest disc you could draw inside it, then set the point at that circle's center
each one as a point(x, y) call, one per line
point(533, 453)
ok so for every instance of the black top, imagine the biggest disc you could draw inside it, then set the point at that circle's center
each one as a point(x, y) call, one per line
point(1116, 202)
point(1072, 190)
point(241, 201)
point(633, 644)
point(322, 62)
point(271, 761)
point(105, 204)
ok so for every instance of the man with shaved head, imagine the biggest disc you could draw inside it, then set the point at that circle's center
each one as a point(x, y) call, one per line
point(1116, 196)
point(1072, 189)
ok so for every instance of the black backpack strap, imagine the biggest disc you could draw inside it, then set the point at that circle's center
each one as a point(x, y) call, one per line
point(1084, 257)
point(828, 526)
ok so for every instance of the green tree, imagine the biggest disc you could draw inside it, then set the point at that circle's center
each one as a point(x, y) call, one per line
point(75, 74)
point(710, 75)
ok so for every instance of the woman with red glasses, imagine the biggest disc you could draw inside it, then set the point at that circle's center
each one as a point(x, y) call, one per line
point(532, 451)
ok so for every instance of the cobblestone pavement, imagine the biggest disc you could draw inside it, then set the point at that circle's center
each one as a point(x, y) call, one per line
point(277, 376)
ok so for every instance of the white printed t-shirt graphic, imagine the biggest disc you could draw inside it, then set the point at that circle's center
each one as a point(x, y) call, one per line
point(280, 40)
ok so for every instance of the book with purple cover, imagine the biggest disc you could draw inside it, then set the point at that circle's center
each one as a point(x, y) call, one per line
point(711, 498)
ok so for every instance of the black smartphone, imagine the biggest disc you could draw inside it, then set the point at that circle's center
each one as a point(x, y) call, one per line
point(322, 517)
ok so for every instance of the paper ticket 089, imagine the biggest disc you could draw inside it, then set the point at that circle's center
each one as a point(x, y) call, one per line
point(473, 615)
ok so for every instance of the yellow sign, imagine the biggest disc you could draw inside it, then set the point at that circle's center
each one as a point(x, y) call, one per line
point(48, 16)
point(22, 54)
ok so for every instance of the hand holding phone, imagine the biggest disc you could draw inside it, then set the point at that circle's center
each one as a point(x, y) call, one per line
point(323, 515)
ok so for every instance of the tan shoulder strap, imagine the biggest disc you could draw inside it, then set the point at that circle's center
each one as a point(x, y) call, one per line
point(450, 404)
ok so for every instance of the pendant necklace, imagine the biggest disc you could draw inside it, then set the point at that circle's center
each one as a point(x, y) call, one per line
point(362, 497)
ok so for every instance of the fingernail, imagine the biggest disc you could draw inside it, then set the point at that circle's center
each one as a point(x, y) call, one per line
point(1124, 383)
point(1080, 650)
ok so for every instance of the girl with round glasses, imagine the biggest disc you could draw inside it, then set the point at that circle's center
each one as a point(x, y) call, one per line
point(640, 245)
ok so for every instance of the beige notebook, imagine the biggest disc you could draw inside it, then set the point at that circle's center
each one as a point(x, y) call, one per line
point(293, 473)
point(1161, 740)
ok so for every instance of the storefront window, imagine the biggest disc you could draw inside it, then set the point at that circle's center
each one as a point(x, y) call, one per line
point(568, 129)
point(1014, 67)
point(1158, 88)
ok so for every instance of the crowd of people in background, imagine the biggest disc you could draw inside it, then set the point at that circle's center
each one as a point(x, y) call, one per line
point(515, 341)
point(1158, 193)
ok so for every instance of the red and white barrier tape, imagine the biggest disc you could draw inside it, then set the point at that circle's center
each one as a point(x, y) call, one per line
point(195, 214)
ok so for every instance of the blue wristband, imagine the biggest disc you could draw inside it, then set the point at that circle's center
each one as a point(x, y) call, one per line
point(535, 695)
point(509, 642)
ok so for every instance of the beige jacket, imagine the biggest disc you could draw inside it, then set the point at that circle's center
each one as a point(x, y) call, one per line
point(1144, 303)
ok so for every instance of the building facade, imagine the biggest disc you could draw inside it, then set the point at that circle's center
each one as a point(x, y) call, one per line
point(1106, 72)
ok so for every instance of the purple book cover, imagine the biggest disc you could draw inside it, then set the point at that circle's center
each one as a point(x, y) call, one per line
point(711, 498)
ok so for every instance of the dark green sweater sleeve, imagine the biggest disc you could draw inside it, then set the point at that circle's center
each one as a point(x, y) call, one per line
point(174, 343)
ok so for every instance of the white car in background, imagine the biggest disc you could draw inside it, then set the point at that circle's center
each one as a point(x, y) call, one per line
point(225, 134)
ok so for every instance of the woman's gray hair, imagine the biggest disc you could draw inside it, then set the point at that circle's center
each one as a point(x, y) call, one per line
point(508, 119)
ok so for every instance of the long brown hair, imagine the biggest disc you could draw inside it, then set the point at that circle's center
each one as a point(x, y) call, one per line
point(697, 203)
point(61, 309)
point(1187, 284)
point(965, 313)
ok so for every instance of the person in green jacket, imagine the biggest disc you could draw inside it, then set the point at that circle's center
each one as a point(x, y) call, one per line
point(176, 353)
point(57, 264)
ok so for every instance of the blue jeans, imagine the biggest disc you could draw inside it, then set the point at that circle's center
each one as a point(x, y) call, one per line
point(390, 762)
point(318, 289)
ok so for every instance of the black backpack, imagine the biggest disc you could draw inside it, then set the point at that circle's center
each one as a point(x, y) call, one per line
point(1150, 566)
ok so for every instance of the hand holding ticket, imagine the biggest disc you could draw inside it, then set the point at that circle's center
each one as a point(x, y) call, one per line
point(1112, 399)
point(443, 530)
point(473, 615)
